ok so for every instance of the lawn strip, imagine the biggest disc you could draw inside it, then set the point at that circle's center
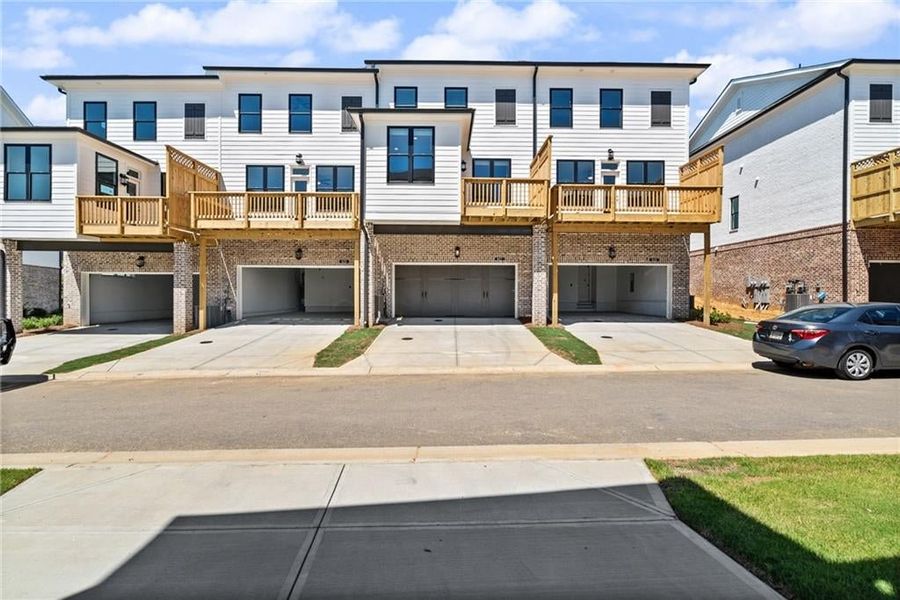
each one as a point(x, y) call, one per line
point(737, 328)
point(564, 344)
point(10, 478)
point(97, 359)
point(349, 345)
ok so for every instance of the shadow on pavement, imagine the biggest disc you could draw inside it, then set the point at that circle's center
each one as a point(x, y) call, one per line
point(9, 383)
point(824, 374)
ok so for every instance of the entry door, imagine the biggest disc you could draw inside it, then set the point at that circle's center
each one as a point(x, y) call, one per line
point(585, 289)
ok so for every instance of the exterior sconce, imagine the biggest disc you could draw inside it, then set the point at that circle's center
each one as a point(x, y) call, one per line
point(298, 253)
point(611, 252)
point(123, 179)
point(140, 262)
point(462, 166)
point(299, 159)
point(610, 155)
point(456, 252)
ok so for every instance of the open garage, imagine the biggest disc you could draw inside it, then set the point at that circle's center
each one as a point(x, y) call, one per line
point(454, 290)
point(631, 289)
point(273, 290)
point(884, 281)
point(126, 297)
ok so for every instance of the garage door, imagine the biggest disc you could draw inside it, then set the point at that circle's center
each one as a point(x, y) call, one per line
point(455, 291)
point(884, 282)
point(129, 297)
point(632, 289)
point(276, 290)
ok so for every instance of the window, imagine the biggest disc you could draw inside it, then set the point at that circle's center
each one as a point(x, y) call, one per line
point(735, 212)
point(611, 108)
point(95, 118)
point(300, 113)
point(26, 170)
point(505, 107)
point(299, 178)
point(348, 102)
point(334, 179)
point(249, 113)
point(194, 121)
point(144, 121)
point(410, 154)
point(406, 97)
point(660, 109)
point(819, 314)
point(609, 180)
point(561, 107)
point(574, 171)
point(265, 178)
point(881, 96)
point(646, 172)
point(491, 167)
point(106, 175)
point(456, 97)
point(887, 315)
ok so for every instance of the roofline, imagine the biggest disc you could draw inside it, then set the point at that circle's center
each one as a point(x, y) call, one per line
point(872, 61)
point(296, 69)
point(66, 129)
point(14, 106)
point(531, 63)
point(123, 77)
point(405, 110)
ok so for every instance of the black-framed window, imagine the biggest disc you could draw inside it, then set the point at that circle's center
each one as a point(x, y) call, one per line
point(334, 178)
point(348, 102)
point(660, 109)
point(264, 178)
point(410, 155)
point(609, 180)
point(735, 212)
point(646, 172)
point(95, 118)
point(27, 172)
point(406, 97)
point(144, 127)
point(560, 107)
point(249, 113)
point(881, 99)
point(106, 175)
point(611, 108)
point(505, 107)
point(574, 171)
point(300, 113)
point(491, 167)
point(194, 121)
point(456, 97)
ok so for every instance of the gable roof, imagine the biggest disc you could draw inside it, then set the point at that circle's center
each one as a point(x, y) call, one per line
point(9, 106)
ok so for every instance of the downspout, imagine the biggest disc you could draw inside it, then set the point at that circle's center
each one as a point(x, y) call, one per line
point(364, 275)
point(534, 111)
point(377, 90)
point(845, 165)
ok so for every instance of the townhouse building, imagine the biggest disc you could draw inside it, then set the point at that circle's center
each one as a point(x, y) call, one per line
point(397, 189)
point(811, 182)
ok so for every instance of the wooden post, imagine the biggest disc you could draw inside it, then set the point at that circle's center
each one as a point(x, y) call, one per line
point(554, 277)
point(201, 267)
point(356, 280)
point(121, 214)
point(707, 276)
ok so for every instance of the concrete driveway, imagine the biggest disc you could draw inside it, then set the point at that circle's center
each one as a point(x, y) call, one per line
point(456, 343)
point(562, 529)
point(35, 354)
point(638, 340)
point(274, 342)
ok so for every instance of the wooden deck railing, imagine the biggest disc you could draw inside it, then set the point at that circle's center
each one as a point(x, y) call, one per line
point(274, 210)
point(490, 199)
point(120, 215)
point(875, 190)
point(636, 204)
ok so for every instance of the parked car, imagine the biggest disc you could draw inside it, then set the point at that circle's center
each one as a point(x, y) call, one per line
point(7, 341)
point(853, 339)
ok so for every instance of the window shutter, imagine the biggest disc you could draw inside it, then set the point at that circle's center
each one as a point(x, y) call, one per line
point(880, 102)
point(194, 121)
point(660, 108)
point(505, 107)
point(348, 102)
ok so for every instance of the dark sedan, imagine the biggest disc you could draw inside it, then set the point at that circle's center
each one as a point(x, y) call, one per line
point(853, 339)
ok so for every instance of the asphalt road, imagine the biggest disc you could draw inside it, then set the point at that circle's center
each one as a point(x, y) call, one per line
point(443, 410)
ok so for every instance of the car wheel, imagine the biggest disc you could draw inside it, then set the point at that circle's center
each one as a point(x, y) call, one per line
point(856, 364)
point(783, 364)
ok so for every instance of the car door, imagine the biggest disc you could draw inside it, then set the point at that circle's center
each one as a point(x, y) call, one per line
point(881, 328)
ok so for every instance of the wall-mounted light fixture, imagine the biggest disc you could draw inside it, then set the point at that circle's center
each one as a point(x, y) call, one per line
point(611, 252)
point(140, 262)
point(462, 166)
point(456, 252)
point(299, 159)
point(298, 253)
point(610, 155)
point(123, 179)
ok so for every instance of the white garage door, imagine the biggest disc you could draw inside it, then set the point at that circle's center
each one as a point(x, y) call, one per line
point(128, 297)
point(454, 291)
point(633, 289)
point(285, 290)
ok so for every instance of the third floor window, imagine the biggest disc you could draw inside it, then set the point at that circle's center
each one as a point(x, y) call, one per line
point(95, 118)
point(348, 102)
point(194, 121)
point(661, 109)
point(456, 97)
point(561, 107)
point(250, 113)
point(144, 122)
point(300, 117)
point(611, 108)
point(505, 107)
point(406, 97)
point(881, 97)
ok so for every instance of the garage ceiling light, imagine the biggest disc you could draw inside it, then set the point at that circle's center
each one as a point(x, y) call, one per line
point(611, 251)
point(298, 253)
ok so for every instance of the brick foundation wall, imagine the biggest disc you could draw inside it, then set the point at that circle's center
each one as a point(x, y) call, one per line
point(184, 265)
point(540, 287)
point(40, 287)
point(12, 283)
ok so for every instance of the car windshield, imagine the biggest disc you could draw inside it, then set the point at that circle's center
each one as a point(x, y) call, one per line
point(819, 314)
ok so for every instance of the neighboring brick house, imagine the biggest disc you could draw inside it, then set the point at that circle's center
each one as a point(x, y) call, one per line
point(403, 188)
point(789, 140)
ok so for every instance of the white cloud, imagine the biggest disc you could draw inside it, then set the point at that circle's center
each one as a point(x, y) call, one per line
point(298, 58)
point(47, 110)
point(357, 37)
point(486, 30)
point(34, 57)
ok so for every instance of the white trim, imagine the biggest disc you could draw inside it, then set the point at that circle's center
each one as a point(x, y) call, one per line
point(239, 304)
point(515, 267)
point(668, 266)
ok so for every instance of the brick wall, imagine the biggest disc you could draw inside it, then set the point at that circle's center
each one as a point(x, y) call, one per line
point(12, 282)
point(40, 287)
point(540, 285)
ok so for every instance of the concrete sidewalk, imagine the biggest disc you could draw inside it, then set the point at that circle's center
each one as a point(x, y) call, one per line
point(450, 530)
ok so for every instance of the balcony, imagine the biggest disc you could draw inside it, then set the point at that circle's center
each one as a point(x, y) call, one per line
point(212, 211)
point(654, 204)
point(510, 201)
point(875, 190)
point(118, 216)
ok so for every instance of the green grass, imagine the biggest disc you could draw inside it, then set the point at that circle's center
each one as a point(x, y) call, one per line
point(349, 345)
point(10, 478)
point(96, 359)
point(737, 328)
point(561, 342)
point(41, 322)
point(813, 527)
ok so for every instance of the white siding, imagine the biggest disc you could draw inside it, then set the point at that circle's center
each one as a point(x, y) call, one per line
point(868, 138)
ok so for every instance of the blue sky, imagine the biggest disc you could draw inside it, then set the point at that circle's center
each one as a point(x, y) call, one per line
point(738, 38)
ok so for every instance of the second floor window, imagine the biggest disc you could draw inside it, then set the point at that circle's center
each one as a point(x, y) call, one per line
point(26, 171)
point(561, 107)
point(491, 167)
point(144, 122)
point(348, 102)
point(194, 121)
point(265, 178)
point(574, 171)
point(456, 97)
point(735, 212)
point(611, 108)
point(300, 117)
point(95, 118)
point(410, 155)
point(406, 97)
point(660, 109)
point(334, 179)
point(881, 99)
point(646, 172)
point(505, 107)
point(250, 113)
point(106, 175)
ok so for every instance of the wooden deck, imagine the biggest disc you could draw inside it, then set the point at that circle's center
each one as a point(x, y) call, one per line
point(261, 211)
point(577, 203)
point(119, 216)
point(875, 190)
point(504, 200)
